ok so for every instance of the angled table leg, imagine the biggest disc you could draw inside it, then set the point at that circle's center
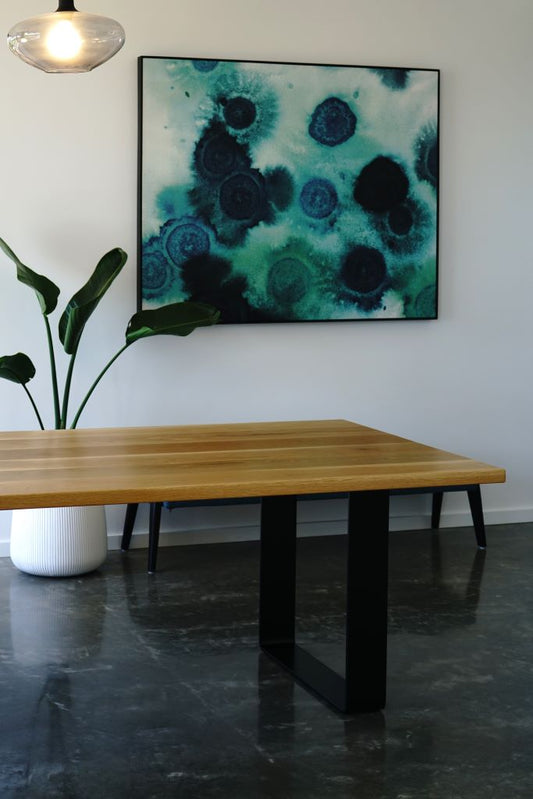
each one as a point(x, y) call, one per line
point(153, 538)
point(436, 507)
point(129, 521)
point(362, 687)
point(476, 509)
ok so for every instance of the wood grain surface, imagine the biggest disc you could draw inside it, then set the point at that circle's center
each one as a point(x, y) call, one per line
point(195, 462)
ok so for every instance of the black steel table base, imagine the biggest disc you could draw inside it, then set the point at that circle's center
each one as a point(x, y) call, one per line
point(362, 687)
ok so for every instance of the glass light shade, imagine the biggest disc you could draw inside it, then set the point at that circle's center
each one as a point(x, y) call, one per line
point(66, 40)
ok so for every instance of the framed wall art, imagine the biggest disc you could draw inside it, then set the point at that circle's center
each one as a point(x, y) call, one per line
point(283, 192)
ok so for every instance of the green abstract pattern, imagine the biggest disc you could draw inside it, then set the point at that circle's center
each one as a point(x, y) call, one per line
point(289, 192)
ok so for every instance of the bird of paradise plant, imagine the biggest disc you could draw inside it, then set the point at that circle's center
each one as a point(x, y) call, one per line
point(177, 319)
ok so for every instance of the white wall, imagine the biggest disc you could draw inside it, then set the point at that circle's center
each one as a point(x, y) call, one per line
point(464, 383)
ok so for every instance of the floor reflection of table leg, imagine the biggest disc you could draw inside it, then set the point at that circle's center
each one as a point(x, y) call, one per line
point(276, 731)
point(362, 687)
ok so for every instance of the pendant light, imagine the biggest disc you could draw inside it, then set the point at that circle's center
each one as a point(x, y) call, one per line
point(66, 40)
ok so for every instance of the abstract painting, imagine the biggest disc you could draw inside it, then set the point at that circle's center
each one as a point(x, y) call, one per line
point(285, 192)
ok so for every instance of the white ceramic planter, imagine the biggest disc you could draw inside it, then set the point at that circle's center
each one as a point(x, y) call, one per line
point(58, 542)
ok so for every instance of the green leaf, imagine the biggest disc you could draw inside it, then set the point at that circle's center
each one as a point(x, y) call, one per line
point(46, 291)
point(177, 319)
point(83, 303)
point(18, 368)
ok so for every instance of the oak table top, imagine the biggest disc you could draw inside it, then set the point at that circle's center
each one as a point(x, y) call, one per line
point(196, 462)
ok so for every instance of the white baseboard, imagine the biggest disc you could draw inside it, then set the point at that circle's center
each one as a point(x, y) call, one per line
point(231, 533)
point(326, 526)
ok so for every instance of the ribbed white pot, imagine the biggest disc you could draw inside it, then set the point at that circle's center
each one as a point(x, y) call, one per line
point(58, 542)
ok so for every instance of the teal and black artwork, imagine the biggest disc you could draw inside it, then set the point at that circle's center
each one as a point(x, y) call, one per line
point(289, 192)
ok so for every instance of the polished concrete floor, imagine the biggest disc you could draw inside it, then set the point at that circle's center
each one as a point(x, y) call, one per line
point(119, 684)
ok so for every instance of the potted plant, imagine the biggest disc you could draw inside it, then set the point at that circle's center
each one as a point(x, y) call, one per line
point(74, 540)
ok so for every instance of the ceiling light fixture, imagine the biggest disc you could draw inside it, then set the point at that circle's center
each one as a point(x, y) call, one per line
point(66, 40)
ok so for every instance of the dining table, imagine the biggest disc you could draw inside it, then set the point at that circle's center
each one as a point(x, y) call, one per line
point(278, 461)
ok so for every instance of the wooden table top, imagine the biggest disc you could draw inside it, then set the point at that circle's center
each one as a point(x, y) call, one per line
point(195, 462)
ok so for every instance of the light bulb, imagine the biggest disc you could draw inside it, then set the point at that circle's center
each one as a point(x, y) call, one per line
point(66, 40)
point(63, 42)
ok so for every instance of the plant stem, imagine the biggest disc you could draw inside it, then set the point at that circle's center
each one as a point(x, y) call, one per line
point(66, 390)
point(53, 372)
point(34, 406)
point(102, 373)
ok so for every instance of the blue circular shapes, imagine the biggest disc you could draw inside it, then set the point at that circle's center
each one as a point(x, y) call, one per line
point(318, 198)
point(239, 113)
point(155, 270)
point(400, 220)
point(242, 196)
point(157, 273)
point(333, 122)
point(184, 239)
point(405, 228)
point(363, 269)
point(217, 154)
point(205, 65)
point(289, 280)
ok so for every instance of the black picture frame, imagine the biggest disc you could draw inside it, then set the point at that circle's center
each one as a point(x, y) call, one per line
point(288, 192)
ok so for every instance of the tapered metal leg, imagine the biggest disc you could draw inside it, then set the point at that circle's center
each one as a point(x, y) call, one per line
point(362, 688)
point(153, 535)
point(129, 521)
point(436, 507)
point(476, 508)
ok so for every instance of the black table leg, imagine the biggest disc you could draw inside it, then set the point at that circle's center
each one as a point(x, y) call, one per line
point(153, 538)
point(476, 509)
point(129, 521)
point(277, 578)
point(366, 612)
point(362, 688)
point(436, 507)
